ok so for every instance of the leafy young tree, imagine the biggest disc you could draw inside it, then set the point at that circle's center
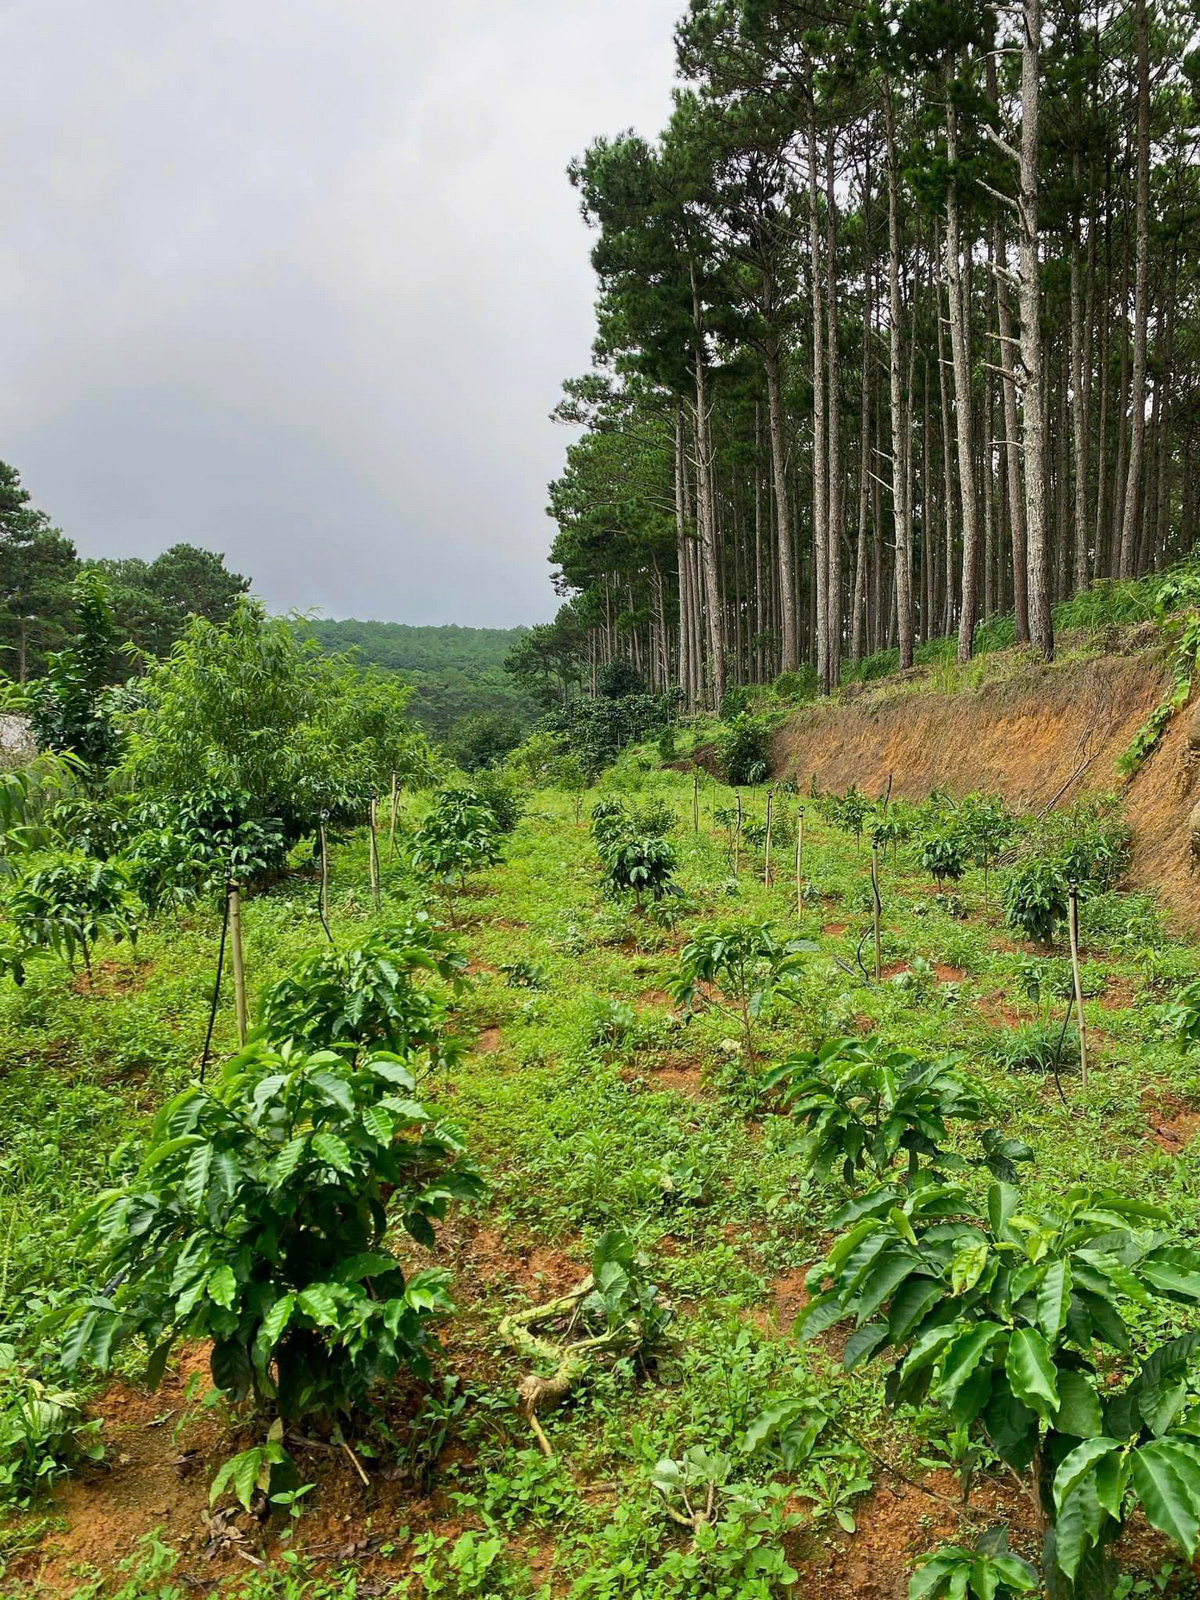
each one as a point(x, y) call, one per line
point(640, 867)
point(71, 708)
point(38, 565)
point(745, 963)
point(865, 1103)
point(254, 711)
point(69, 903)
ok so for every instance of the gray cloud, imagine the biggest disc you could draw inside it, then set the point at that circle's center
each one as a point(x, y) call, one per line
point(299, 280)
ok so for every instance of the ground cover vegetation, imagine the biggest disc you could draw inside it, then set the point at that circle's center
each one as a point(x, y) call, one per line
point(544, 1182)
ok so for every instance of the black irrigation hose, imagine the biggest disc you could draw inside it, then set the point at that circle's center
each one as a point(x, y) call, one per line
point(212, 1014)
point(1058, 1049)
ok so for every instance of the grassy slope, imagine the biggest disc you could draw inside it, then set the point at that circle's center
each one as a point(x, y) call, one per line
point(658, 1132)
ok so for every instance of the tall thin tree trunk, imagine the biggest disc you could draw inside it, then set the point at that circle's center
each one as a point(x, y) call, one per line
point(1141, 297)
point(820, 504)
point(787, 570)
point(1041, 620)
point(961, 353)
point(900, 504)
point(836, 530)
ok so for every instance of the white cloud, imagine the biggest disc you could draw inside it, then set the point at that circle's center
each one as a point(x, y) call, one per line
point(300, 279)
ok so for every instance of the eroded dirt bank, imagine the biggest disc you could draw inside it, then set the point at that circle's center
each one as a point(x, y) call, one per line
point(1040, 736)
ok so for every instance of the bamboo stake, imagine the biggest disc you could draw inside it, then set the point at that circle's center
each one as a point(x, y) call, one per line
point(374, 859)
point(696, 800)
point(878, 907)
point(799, 859)
point(392, 828)
point(767, 853)
point(239, 961)
point(737, 838)
point(1073, 924)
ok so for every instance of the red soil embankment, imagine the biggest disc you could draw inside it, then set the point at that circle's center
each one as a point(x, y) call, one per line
point(1042, 735)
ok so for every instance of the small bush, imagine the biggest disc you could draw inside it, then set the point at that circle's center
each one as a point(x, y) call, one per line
point(941, 856)
point(71, 902)
point(743, 749)
point(640, 867)
point(1035, 899)
point(259, 1220)
point(497, 790)
point(42, 1432)
point(364, 998)
point(619, 679)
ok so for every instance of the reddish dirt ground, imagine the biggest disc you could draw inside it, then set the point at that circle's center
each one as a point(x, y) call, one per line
point(1046, 735)
point(1172, 1122)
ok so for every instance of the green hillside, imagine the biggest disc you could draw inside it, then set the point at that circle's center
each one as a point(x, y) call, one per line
point(457, 672)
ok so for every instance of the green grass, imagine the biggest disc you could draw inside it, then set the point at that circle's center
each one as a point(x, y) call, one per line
point(586, 1117)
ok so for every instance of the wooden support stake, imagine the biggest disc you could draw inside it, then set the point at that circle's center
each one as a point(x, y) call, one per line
point(737, 838)
point(374, 859)
point(877, 908)
point(696, 800)
point(324, 846)
point(1073, 924)
point(767, 855)
point(239, 962)
point(392, 828)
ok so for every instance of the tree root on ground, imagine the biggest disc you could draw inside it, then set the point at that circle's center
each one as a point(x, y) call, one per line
point(570, 1359)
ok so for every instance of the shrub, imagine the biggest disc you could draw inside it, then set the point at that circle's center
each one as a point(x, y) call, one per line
point(1183, 1017)
point(480, 741)
point(498, 792)
point(1035, 899)
point(652, 821)
point(1004, 1321)
point(42, 1432)
point(941, 855)
point(850, 812)
point(609, 820)
point(617, 680)
point(598, 730)
point(259, 1220)
point(984, 1573)
point(458, 836)
point(743, 749)
point(744, 962)
point(70, 903)
point(640, 867)
point(364, 998)
point(198, 842)
point(865, 1103)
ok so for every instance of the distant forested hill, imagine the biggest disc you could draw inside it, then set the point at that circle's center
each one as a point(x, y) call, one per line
point(457, 672)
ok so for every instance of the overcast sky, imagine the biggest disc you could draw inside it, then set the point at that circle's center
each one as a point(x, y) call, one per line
point(299, 280)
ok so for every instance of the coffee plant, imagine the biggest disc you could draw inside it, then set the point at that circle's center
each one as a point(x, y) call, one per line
point(865, 1104)
point(1005, 1322)
point(1035, 899)
point(743, 962)
point(259, 1220)
point(458, 836)
point(942, 856)
point(365, 998)
point(1183, 1016)
point(984, 1573)
point(71, 902)
point(640, 867)
point(743, 749)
